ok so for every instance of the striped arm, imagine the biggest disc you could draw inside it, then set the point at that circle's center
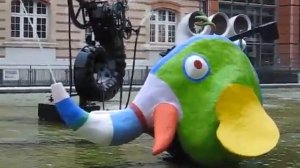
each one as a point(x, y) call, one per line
point(111, 128)
point(104, 128)
point(72, 114)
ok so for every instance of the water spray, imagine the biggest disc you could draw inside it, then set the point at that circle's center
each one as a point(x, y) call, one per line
point(36, 36)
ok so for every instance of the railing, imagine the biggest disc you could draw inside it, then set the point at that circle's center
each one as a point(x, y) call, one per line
point(28, 75)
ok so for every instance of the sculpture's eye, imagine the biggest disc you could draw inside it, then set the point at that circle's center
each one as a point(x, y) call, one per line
point(196, 67)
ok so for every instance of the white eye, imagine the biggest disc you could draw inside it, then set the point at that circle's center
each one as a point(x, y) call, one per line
point(196, 68)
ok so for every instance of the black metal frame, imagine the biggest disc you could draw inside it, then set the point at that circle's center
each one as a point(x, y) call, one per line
point(104, 54)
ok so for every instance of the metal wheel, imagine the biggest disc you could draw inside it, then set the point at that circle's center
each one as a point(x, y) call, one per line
point(79, 17)
point(127, 29)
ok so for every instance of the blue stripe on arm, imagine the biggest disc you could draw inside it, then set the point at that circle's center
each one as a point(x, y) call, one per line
point(71, 113)
point(126, 127)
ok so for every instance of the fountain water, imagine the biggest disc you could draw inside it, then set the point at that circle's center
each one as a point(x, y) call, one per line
point(38, 40)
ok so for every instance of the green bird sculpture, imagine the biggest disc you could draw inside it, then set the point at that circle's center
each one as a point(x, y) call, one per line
point(204, 95)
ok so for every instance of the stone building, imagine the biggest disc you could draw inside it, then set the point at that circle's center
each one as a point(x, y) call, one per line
point(18, 42)
point(18, 45)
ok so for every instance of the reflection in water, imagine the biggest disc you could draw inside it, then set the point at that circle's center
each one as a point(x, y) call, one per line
point(26, 142)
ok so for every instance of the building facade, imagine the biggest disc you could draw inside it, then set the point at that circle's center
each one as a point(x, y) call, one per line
point(18, 42)
point(18, 45)
point(283, 54)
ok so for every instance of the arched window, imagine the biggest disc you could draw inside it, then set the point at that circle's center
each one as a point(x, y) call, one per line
point(163, 26)
point(35, 12)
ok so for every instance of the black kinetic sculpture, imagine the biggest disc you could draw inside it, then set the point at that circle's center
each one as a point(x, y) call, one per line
point(99, 67)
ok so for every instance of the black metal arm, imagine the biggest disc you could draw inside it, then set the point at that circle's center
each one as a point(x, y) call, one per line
point(268, 32)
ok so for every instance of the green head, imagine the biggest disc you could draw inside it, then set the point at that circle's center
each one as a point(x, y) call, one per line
point(219, 101)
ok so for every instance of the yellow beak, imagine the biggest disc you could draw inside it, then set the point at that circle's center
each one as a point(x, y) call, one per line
point(245, 128)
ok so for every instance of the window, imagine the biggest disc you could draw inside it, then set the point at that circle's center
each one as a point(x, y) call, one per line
point(162, 26)
point(35, 13)
point(260, 53)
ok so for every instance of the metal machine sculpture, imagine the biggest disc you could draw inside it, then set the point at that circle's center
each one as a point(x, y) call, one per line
point(100, 66)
